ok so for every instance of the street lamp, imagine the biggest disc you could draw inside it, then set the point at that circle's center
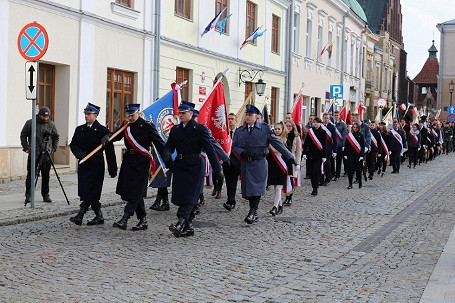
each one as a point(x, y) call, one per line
point(451, 85)
point(250, 75)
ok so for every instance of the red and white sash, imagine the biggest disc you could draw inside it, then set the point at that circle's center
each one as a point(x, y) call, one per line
point(315, 139)
point(435, 134)
point(287, 188)
point(374, 141)
point(354, 143)
point(397, 136)
point(339, 135)
point(414, 138)
point(328, 133)
point(385, 149)
point(140, 149)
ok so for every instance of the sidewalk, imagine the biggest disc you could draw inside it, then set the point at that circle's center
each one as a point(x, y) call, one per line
point(440, 287)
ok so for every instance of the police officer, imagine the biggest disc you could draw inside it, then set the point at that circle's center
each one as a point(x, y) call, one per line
point(46, 141)
point(90, 174)
point(251, 142)
point(188, 138)
point(136, 165)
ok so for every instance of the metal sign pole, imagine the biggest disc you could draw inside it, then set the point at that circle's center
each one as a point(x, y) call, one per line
point(33, 155)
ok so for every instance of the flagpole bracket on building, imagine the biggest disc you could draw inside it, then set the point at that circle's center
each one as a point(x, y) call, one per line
point(249, 76)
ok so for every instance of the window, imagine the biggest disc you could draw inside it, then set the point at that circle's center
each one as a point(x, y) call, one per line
point(127, 3)
point(46, 87)
point(376, 80)
point(183, 8)
point(119, 93)
point(250, 19)
point(183, 74)
point(248, 89)
point(275, 34)
point(351, 65)
point(220, 5)
point(308, 37)
point(330, 43)
point(338, 49)
point(273, 104)
point(296, 29)
point(320, 43)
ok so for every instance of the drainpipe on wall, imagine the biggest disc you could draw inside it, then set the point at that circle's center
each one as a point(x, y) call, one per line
point(343, 54)
point(441, 65)
point(156, 55)
point(288, 93)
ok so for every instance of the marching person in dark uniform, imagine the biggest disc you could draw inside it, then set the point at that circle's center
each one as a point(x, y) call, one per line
point(331, 148)
point(231, 172)
point(370, 158)
point(314, 151)
point(423, 139)
point(188, 138)
point(136, 164)
point(413, 144)
point(354, 152)
point(90, 174)
point(384, 149)
point(341, 132)
point(397, 145)
point(46, 139)
point(251, 145)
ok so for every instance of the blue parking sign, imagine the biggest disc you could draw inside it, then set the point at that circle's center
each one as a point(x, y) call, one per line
point(336, 91)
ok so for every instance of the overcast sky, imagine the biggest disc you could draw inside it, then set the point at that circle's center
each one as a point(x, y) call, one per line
point(419, 29)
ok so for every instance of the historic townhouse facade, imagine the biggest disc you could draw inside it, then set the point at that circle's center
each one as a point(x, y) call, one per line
point(99, 51)
point(328, 49)
point(446, 67)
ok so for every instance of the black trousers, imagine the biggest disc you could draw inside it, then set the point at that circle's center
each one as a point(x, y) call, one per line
point(254, 202)
point(314, 170)
point(371, 162)
point(231, 175)
point(87, 203)
point(186, 212)
point(395, 160)
point(338, 161)
point(328, 168)
point(44, 172)
point(353, 165)
point(136, 206)
point(413, 154)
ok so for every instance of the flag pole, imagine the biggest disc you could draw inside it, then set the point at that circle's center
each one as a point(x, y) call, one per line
point(223, 74)
point(298, 95)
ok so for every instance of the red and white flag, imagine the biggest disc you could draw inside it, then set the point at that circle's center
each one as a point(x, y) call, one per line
point(297, 110)
point(213, 114)
point(360, 109)
point(343, 113)
point(403, 106)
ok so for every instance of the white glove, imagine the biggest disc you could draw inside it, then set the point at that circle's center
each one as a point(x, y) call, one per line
point(345, 157)
point(401, 154)
point(334, 155)
point(342, 148)
point(379, 155)
point(361, 159)
point(418, 148)
point(297, 168)
point(324, 159)
point(365, 149)
point(390, 153)
point(304, 157)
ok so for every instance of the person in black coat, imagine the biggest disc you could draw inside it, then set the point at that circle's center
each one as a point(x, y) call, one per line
point(90, 174)
point(354, 151)
point(314, 151)
point(397, 146)
point(136, 165)
point(423, 139)
point(413, 144)
point(188, 139)
point(371, 156)
point(231, 172)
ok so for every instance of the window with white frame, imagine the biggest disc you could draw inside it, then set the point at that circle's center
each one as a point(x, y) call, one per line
point(330, 43)
point(296, 31)
point(309, 26)
point(320, 45)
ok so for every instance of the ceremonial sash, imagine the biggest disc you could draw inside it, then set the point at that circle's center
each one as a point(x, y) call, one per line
point(397, 136)
point(414, 138)
point(139, 148)
point(354, 143)
point(339, 136)
point(207, 170)
point(385, 149)
point(328, 133)
point(315, 139)
point(374, 141)
point(287, 188)
point(435, 134)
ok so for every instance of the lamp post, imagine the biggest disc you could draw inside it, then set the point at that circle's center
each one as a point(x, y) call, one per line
point(250, 75)
point(451, 86)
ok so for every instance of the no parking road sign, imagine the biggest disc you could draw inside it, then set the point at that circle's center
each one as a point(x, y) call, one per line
point(32, 41)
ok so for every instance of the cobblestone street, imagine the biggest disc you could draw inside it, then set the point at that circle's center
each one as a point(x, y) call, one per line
point(375, 244)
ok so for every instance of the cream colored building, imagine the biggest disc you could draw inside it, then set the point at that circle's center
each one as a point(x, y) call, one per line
point(378, 72)
point(446, 67)
point(99, 51)
point(317, 25)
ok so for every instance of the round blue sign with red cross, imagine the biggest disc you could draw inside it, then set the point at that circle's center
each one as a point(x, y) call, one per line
point(32, 41)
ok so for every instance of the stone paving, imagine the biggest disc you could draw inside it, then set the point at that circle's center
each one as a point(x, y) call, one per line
point(307, 254)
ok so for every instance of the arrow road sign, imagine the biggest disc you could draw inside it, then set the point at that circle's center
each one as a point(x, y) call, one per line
point(451, 109)
point(31, 76)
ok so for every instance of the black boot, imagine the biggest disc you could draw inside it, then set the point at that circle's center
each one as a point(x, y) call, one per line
point(280, 210)
point(80, 215)
point(350, 185)
point(201, 199)
point(274, 211)
point(288, 200)
point(360, 183)
point(165, 205)
point(122, 222)
point(178, 227)
point(315, 191)
point(188, 230)
point(142, 225)
point(98, 218)
point(252, 216)
point(156, 205)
